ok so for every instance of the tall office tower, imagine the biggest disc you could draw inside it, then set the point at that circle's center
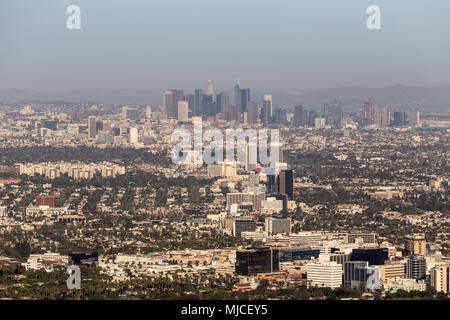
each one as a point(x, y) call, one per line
point(305, 117)
point(134, 136)
point(276, 226)
point(245, 99)
point(386, 117)
point(232, 112)
point(440, 278)
point(299, 119)
point(210, 90)
point(413, 118)
point(280, 116)
point(335, 113)
point(208, 106)
point(368, 112)
point(178, 95)
point(251, 157)
point(325, 110)
point(399, 119)
point(256, 260)
point(382, 116)
point(267, 110)
point(377, 116)
point(324, 274)
point(286, 183)
point(206, 102)
point(252, 113)
point(167, 103)
point(183, 110)
point(198, 102)
point(271, 186)
point(312, 116)
point(222, 103)
point(237, 99)
point(355, 273)
point(92, 126)
point(374, 256)
point(416, 245)
point(148, 112)
point(416, 267)
point(190, 99)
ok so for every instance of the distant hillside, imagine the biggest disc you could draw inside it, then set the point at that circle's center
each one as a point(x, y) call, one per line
point(398, 97)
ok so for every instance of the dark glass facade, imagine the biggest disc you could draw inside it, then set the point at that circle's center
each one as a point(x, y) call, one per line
point(84, 258)
point(374, 257)
point(296, 254)
point(286, 183)
point(257, 260)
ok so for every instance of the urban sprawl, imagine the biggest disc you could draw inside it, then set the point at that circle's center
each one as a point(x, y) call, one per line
point(357, 206)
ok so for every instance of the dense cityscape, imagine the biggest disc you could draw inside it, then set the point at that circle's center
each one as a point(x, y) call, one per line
point(356, 207)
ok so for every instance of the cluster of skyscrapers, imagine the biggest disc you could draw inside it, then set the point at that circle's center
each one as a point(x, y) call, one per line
point(241, 109)
point(177, 105)
point(383, 117)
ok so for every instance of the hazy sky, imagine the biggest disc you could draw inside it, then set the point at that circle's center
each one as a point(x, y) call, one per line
point(157, 44)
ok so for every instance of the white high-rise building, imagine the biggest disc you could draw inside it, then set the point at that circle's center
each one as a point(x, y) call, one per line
point(92, 126)
point(148, 112)
point(183, 110)
point(268, 103)
point(382, 116)
point(251, 157)
point(324, 274)
point(2, 211)
point(440, 278)
point(133, 136)
point(167, 102)
point(210, 90)
point(413, 118)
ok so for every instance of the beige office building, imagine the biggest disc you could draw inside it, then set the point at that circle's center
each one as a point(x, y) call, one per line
point(391, 271)
point(416, 245)
point(440, 278)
